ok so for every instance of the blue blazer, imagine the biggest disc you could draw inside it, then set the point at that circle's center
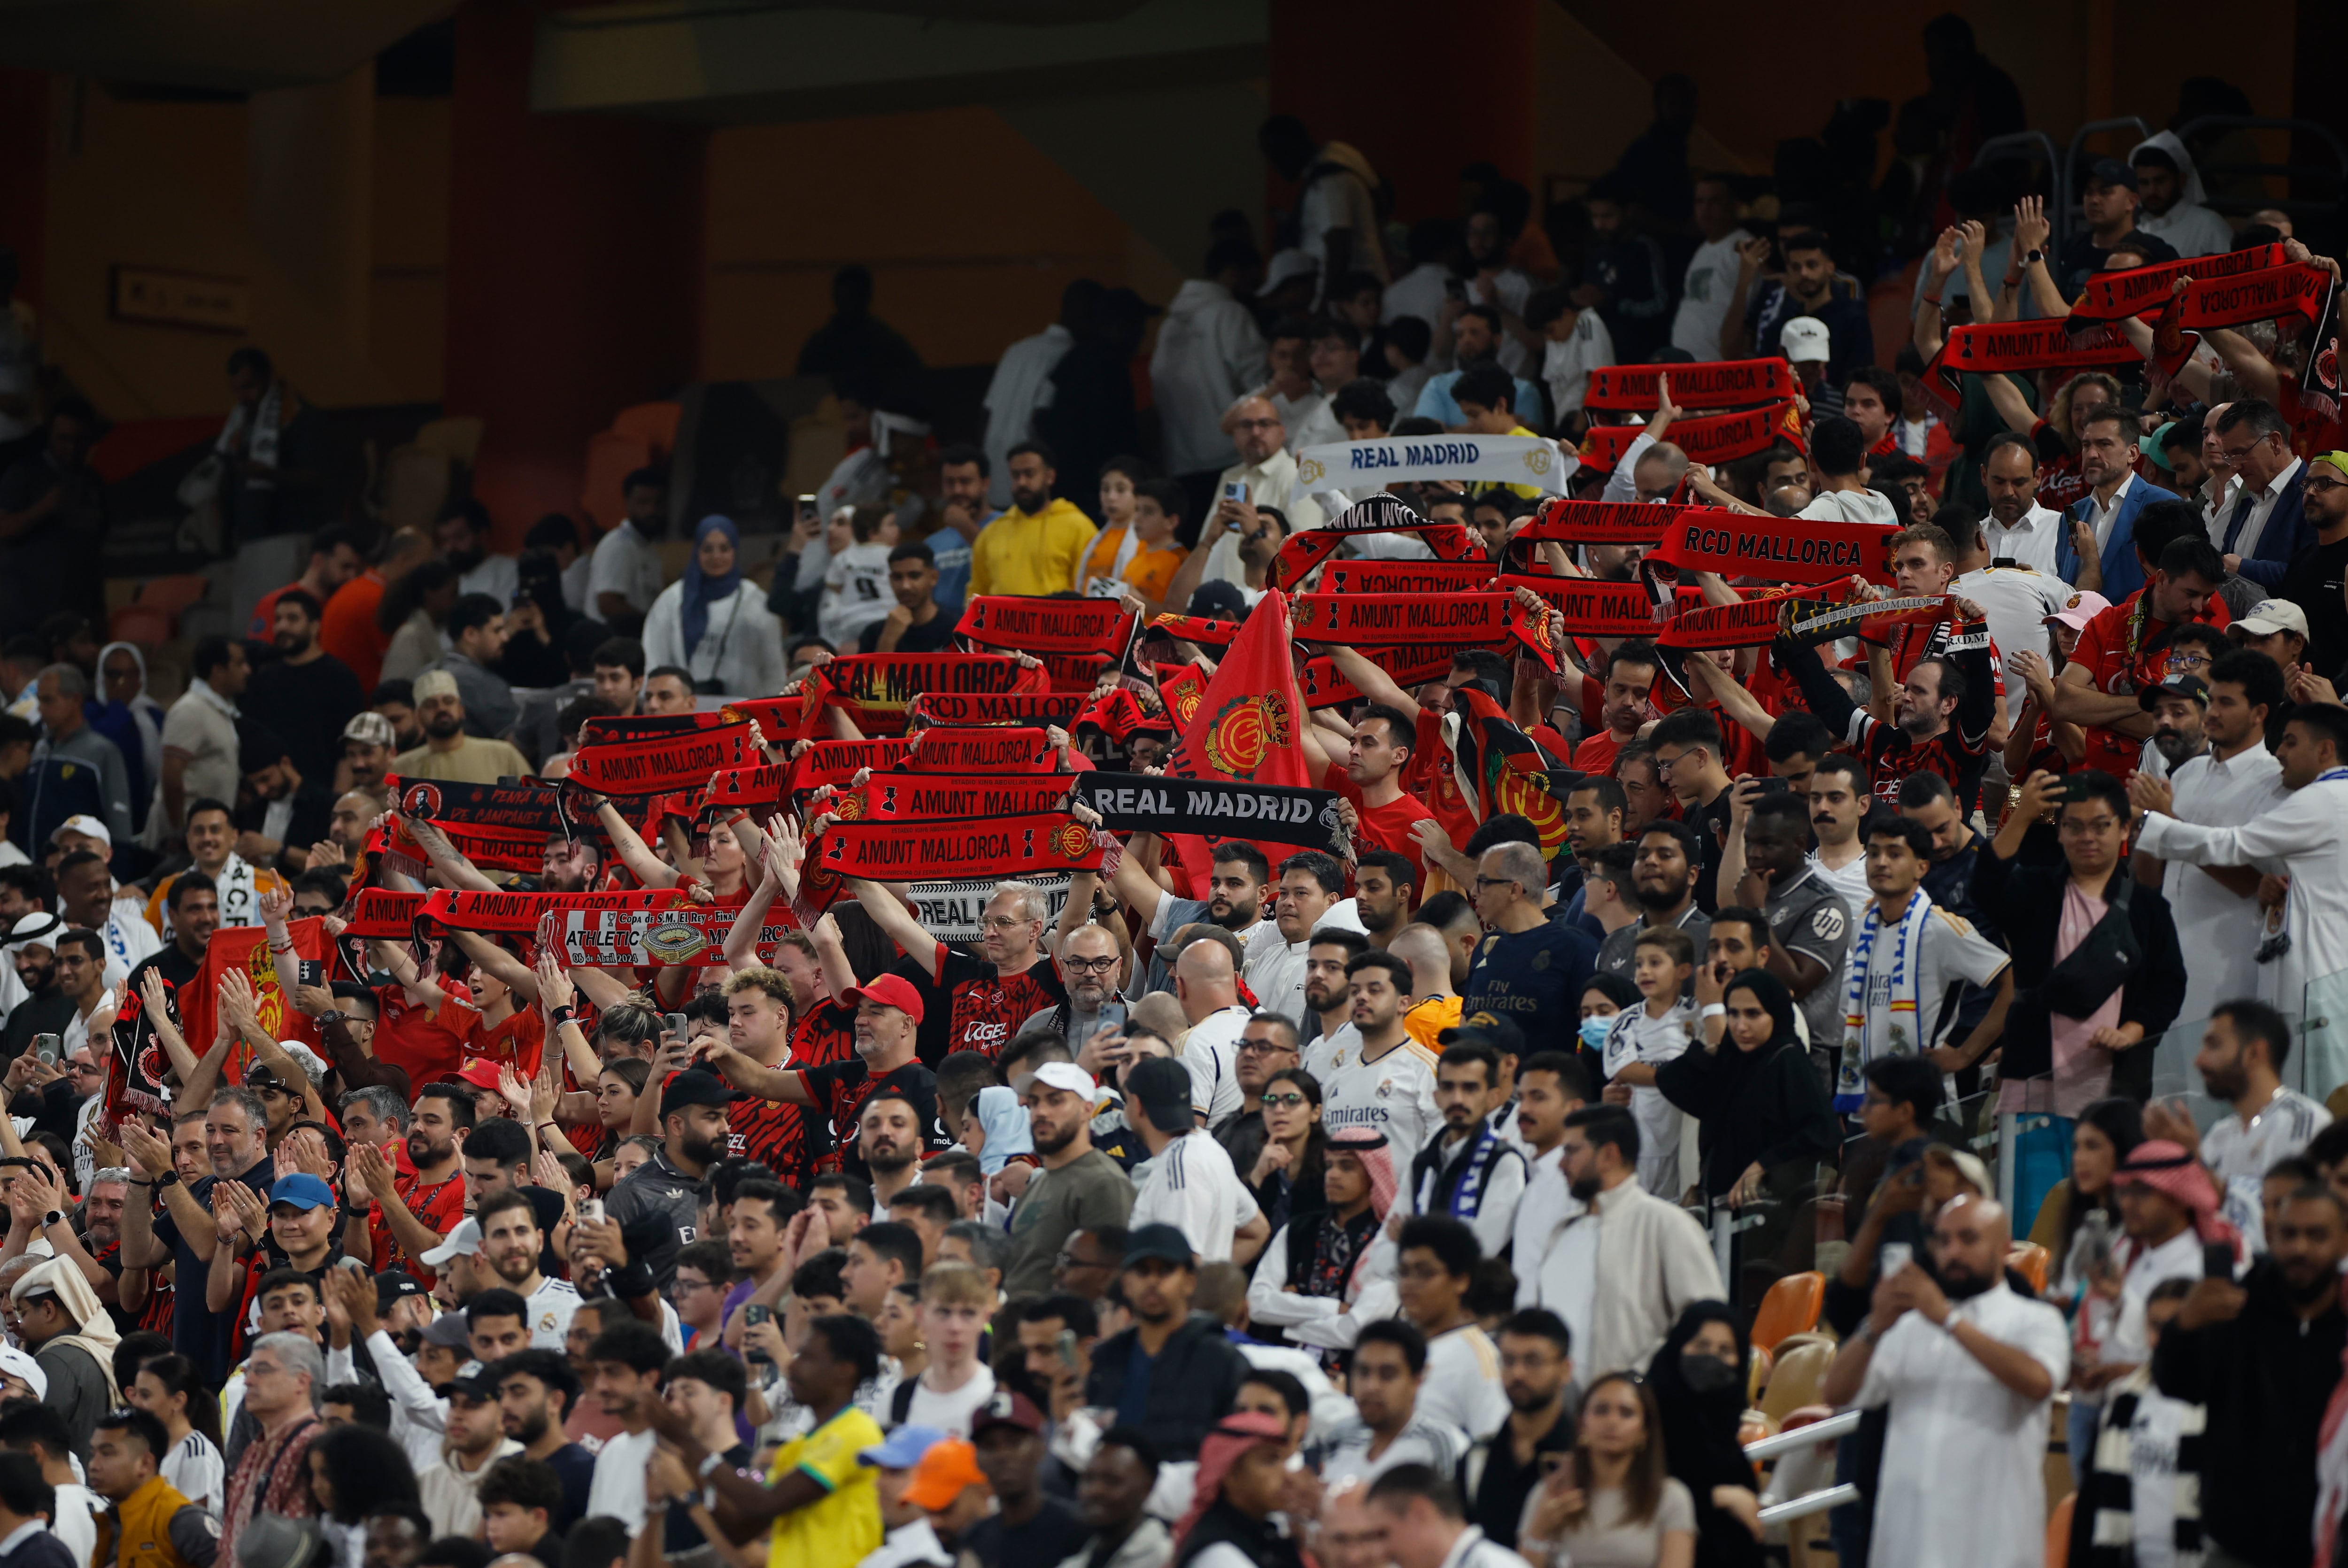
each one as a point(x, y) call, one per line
point(2122, 574)
point(2284, 536)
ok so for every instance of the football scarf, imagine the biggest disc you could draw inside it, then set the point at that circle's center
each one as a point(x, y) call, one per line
point(1321, 685)
point(1993, 347)
point(1902, 1026)
point(968, 708)
point(1140, 803)
point(2145, 290)
point(877, 690)
point(498, 827)
point(901, 852)
point(1044, 625)
point(1523, 460)
point(646, 928)
point(1201, 629)
point(1580, 522)
point(943, 797)
point(1593, 608)
point(1707, 384)
point(1379, 514)
point(1407, 577)
point(660, 752)
point(1405, 620)
point(1707, 438)
point(1748, 624)
point(998, 750)
point(2302, 290)
point(1793, 549)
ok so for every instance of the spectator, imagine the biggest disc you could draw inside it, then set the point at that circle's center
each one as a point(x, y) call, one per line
point(1574, 342)
point(1838, 462)
point(1615, 1501)
point(415, 612)
point(620, 674)
point(1623, 275)
point(2261, 1357)
point(1711, 277)
point(1764, 1116)
point(2171, 201)
point(1663, 881)
point(1310, 1282)
point(448, 752)
point(1116, 1483)
point(1387, 1376)
point(1092, 416)
point(558, 535)
point(126, 1452)
point(1426, 1525)
point(1957, 1344)
point(1075, 1189)
point(308, 694)
point(463, 533)
point(1762, 306)
point(1173, 1373)
point(335, 558)
point(2109, 238)
point(1619, 1274)
point(1028, 1526)
point(669, 689)
point(2098, 971)
point(548, 645)
point(2314, 578)
point(350, 629)
point(1336, 218)
point(2142, 1483)
point(1192, 1185)
point(63, 695)
point(710, 622)
point(2267, 526)
point(1022, 384)
point(626, 575)
point(282, 1378)
point(1138, 555)
point(1436, 1259)
point(1502, 1471)
point(2084, 1203)
point(1700, 1382)
point(854, 342)
point(477, 635)
point(1475, 341)
point(1209, 353)
point(2128, 645)
point(1034, 547)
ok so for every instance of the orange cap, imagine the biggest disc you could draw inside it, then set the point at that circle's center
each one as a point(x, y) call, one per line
point(942, 1475)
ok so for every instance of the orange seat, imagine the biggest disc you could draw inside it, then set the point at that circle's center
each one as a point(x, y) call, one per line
point(611, 458)
point(1791, 1307)
point(2029, 1260)
point(142, 624)
point(172, 594)
point(2058, 1531)
point(654, 424)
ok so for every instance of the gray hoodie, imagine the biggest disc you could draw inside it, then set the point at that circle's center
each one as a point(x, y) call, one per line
point(2190, 226)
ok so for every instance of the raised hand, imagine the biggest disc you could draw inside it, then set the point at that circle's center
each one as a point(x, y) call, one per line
point(555, 991)
point(275, 905)
point(516, 1092)
point(2031, 228)
point(153, 1154)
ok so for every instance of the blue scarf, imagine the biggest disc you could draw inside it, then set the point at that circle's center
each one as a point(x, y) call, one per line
point(701, 590)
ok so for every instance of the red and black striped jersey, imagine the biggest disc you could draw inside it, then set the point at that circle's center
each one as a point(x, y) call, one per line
point(827, 1034)
point(987, 1007)
point(773, 1134)
point(840, 1090)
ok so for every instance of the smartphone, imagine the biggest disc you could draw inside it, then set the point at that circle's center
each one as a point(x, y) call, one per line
point(310, 971)
point(1454, 288)
point(2074, 787)
point(1897, 1255)
point(1237, 490)
point(676, 1024)
point(592, 1211)
point(45, 1048)
point(1775, 787)
point(807, 509)
point(1064, 1344)
point(753, 1316)
point(2218, 1262)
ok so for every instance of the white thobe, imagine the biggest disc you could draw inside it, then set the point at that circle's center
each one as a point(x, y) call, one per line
point(1957, 1439)
point(2217, 929)
point(1548, 1203)
point(2308, 832)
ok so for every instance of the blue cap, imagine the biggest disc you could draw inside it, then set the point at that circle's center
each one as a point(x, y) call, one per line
point(303, 1190)
point(903, 1448)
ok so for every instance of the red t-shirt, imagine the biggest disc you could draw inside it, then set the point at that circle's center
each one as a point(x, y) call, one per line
point(775, 1135)
point(827, 1032)
point(2104, 648)
point(412, 1037)
point(1385, 827)
point(1595, 756)
point(519, 1042)
point(441, 1207)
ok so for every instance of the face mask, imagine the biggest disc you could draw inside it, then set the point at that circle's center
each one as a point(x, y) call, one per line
point(1706, 1373)
point(1595, 1030)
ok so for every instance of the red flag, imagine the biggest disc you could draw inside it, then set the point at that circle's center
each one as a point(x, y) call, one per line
point(1503, 771)
point(1245, 727)
point(246, 947)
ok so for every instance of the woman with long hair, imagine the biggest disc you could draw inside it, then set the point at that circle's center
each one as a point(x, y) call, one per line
point(168, 1388)
point(2107, 1130)
point(1240, 1481)
point(1616, 1505)
point(1286, 1180)
point(354, 1471)
point(1700, 1378)
point(616, 1089)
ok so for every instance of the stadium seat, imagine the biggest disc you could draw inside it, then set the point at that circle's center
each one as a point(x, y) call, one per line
point(142, 624)
point(1791, 1307)
point(2029, 1260)
point(1800, 1373)
point(170, 596)
point(611, 458)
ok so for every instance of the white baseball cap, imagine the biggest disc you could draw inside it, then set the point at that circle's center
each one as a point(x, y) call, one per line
point(1069, 1079)
point(462, 1243)
point(1286, 264)
point(86, 825)
point(1804, 339)
point(2269, 616)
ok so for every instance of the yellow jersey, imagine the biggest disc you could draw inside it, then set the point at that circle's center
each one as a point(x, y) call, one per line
point(844, 1527)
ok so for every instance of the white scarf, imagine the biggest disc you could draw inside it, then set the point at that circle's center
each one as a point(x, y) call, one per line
point(239, 897)
point(1904, 1035)
point(261, 448)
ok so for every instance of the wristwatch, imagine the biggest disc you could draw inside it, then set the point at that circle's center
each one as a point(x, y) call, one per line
point(54, 1216)
point(168, 1179)
point(2034, 257)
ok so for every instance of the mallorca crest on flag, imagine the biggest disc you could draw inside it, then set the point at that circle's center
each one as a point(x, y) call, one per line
point(1503, 771)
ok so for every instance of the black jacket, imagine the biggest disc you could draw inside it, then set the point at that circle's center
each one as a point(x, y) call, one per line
point(1192, 1384)
point(2265, 1378)
point(1774, 1111)
point(2026, 902)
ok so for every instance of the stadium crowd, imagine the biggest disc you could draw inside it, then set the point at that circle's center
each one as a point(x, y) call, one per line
point(1303, 999)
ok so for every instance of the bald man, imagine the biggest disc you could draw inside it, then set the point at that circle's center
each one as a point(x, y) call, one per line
point(1208, 988)
point(1092, 966)
point(1949, 1347)
point(1434, 1005)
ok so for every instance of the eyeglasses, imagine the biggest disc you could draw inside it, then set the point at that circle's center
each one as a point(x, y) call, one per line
point(2318, 483)
point(1092, 966)
point(1663, 764)
point(1068, 1260)
point(1282, 1101)
point(1484, 882)
point(1260, 1046)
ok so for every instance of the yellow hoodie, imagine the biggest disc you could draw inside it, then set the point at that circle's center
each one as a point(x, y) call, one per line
point(1036, 553)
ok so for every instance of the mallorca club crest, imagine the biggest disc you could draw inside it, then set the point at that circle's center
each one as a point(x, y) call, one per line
point(1072, 840)
point(420, 800)
point(847, 807)
point(1248, 730)
point(1185, 704)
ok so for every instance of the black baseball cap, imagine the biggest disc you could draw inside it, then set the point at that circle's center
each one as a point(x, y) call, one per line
point(1164, 1242)
point(2110, 171)
point(1482, 1028)
point(395, 1285)
point(694, 1086)
point(2193, 687)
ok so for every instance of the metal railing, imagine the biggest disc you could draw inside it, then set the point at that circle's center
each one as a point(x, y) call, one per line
point(1804, 1467)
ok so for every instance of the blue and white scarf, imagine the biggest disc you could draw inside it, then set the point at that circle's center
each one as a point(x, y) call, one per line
point(1903, 1022)
point(1475, 1167)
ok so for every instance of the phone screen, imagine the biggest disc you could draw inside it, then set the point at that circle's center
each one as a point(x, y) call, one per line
point(1897, 1255)
point(676, 1024)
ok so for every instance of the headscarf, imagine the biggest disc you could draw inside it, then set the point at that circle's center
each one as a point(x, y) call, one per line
point(146, 713)
point(702, 591)
point(1771, 993)
point(1377, 1157)
point(1699, 1433)
point(97, 1337)
point(2168, 1169)
point(1232, 1436)
point(1007, 1131)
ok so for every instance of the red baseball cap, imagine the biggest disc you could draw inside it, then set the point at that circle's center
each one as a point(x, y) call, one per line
point(888, 991)
point(481, 1072)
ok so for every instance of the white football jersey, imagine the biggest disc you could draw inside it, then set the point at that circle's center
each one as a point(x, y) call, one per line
point(1394, 1094)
